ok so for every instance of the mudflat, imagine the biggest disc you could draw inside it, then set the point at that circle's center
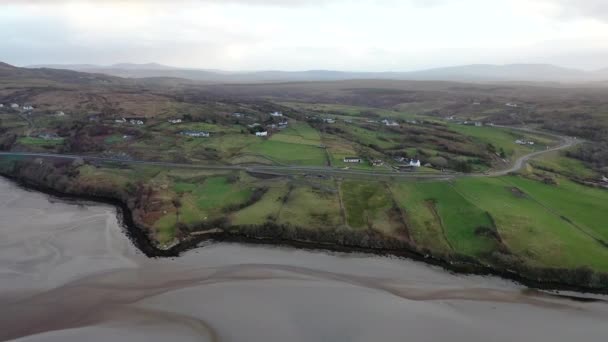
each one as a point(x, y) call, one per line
point(69, 273)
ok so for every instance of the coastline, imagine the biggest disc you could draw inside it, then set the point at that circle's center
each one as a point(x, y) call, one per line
point(145, 244)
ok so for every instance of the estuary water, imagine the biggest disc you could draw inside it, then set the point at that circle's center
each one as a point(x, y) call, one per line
point(69, 273)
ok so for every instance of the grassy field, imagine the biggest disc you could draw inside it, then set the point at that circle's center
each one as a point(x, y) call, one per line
point(443, 219)
point(266, 209)
point(584, 206)
point(499, 137)
point(311, 208)
point(299, 133)
point(367, 204)
point(31, 141)
point(529, 229)
point(289, 153)
point(557, 162)
point(213, 194)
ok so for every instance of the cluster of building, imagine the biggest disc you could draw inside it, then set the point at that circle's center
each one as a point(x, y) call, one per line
point(16, 106)
point(403, 162)
point(389, 123)
point(196, 134)
point(49, 136)
point(524, 142)
point(132, 121)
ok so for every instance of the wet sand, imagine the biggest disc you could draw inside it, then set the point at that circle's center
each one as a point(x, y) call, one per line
point(69, 273)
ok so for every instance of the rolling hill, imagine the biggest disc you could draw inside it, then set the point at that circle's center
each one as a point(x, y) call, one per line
point(466, 73)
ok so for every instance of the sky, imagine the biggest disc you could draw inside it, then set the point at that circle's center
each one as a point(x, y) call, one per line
point(353, 35)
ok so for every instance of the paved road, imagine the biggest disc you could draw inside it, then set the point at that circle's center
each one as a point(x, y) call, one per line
point(566, 142)
point(269, 170)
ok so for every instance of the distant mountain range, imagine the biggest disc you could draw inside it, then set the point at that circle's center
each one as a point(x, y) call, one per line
point(466, 73)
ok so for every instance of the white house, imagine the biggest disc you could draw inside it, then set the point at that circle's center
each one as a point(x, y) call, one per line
point(478, 124)
point(276, 114)
point(1, 105)
point(14, 105)
point(415, 163)
point(261, 134)
point(175, 121)
point(59, 113)
point(352, 159)
point(329, 120)
point(28, 107)
point(511, 104)
point(136, 122)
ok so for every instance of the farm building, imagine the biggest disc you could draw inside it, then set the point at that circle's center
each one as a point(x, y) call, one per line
point(14, 106)
point(415, 163)
point(276, 114)
point(261, 134)
point(28, 107)
point(352, 160)
point(49, 136)
point(377, 162)
point(175, 121)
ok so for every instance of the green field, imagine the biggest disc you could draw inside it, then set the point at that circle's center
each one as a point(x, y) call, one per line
point(30, 141)
point(442, 219)
point(499, 137)
point(299, 133)
point(529, 229)
point(266, 209)
point(557, 162)
point(288, 153)
point(585, 206)
point(367, 204)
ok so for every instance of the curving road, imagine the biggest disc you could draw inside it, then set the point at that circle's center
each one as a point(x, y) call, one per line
point(565, 142)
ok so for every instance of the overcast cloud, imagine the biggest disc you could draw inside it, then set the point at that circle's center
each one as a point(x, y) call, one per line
point(372, 35)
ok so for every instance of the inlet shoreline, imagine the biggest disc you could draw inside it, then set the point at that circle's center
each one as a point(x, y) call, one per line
point(145, 244)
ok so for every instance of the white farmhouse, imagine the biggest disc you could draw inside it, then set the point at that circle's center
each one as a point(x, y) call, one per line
point(415, 163)
point(14, 106)
point(261, 134)
point(175, 121)
point(352, 160)
point(28, 108)
point(276, 114)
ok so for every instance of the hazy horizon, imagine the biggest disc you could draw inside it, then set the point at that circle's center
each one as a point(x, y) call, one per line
point(361, 35)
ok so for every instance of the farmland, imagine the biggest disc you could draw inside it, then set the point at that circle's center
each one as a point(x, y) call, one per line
point(257, 165)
